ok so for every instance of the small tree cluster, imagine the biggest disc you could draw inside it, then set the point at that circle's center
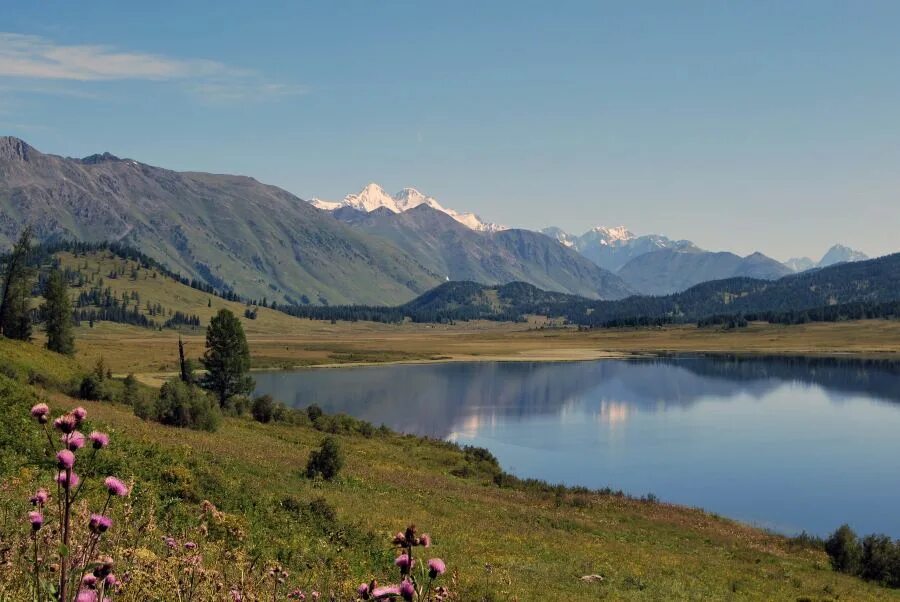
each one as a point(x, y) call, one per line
point(874, 558)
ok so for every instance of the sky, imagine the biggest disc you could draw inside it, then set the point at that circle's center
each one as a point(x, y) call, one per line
point(742, 126)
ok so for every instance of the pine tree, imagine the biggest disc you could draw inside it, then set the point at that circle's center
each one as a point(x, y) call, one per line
point(57, 314)
point(227, 358)
point(15, 311)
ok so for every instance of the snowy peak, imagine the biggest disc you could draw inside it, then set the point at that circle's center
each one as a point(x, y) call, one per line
point(617, 234)
point(374, 197)
point(841, 254)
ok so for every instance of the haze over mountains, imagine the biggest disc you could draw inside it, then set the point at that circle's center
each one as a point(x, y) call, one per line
point(236, 233)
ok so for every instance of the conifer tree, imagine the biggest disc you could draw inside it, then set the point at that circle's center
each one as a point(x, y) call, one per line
point(18, 275)
point(57, 314)
point(227, 358)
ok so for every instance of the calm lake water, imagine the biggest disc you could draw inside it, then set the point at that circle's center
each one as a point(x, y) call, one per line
point(786, 444)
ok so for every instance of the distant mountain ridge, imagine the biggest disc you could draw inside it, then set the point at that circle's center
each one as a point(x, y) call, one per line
point(836, 254)
point(447, 247)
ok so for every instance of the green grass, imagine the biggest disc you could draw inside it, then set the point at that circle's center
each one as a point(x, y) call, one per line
point(526, 543)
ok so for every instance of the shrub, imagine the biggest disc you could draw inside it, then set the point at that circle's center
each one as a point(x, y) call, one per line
point(183, 405)
point(89, 388)
point(263, 408)
point(326, 461)
point(844, 550)
point(130, 390)
point(879, 557)
point(313, 412)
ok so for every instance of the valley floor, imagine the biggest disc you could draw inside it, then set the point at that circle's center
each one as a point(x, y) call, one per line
point(298, 343)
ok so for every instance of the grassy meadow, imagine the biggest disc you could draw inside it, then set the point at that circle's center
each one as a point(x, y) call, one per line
point(521, 542)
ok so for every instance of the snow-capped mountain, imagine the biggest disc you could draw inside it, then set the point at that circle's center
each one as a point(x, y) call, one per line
point(841, 254)
point(374, 197)
point(836, 254)
point(613, 247)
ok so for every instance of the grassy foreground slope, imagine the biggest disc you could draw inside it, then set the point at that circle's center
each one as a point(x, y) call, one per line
point(517, 543)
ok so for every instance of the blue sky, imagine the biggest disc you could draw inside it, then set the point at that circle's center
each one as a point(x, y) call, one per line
point(740, 125)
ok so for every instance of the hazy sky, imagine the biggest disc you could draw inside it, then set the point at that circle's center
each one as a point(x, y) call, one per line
point(770, 126)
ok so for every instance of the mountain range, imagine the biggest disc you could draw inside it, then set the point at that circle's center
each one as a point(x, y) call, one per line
point(238, 234)
point(651, 264)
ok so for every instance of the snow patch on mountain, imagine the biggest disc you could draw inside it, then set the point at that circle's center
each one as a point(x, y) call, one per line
point(374, 197)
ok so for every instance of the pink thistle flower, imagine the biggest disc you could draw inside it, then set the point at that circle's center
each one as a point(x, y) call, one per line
point(116, 487)
point(111, 581)
point(73, 441)
point(67, 480)
point(403, 562)
point(170, 542)
point(36, 519)
point(385, 591)
point(99, 524)
point(436, 567)
point(89, 581)
point(65, 423)
point(363, 591)
point(99, 440)
point(425, 540)
point(65, 459)
point(87, 595)
point(314, 595)
point(79, 413)
point(190, 545)
point(407, 591)
point(40, 497)
point(40, 412)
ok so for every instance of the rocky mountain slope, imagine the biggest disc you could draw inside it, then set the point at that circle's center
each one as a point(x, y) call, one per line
point(231, 231)
point(456, 252)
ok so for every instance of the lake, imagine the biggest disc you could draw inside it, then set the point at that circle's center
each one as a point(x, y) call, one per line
point(787, 444)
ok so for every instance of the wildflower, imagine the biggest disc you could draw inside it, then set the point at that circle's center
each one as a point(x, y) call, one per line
point(436, 567)
point(73, 440)
point(87, 595)
point(314, 595)
point(296, 595)
point(236, 595)
point(99, 440)
point(65, 459)
point(404, 563)
point(36, 519)
point(116, 487)
point(40, 497)
point(89, 581)
point(111, 581)
point(99, 523)
point(399, 539)
point(190, 545)
point(67, 479)
point(363, 591)
point(65, 423)
point(170, 542)
point(80, 414)
point(425, 540)
point(385, 591)
point(41, 412)
point(407, 591)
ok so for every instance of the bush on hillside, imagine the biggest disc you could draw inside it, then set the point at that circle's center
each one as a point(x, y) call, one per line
point(181, 405)
point(844, 550)
point(326, 461)
point(263, 408)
